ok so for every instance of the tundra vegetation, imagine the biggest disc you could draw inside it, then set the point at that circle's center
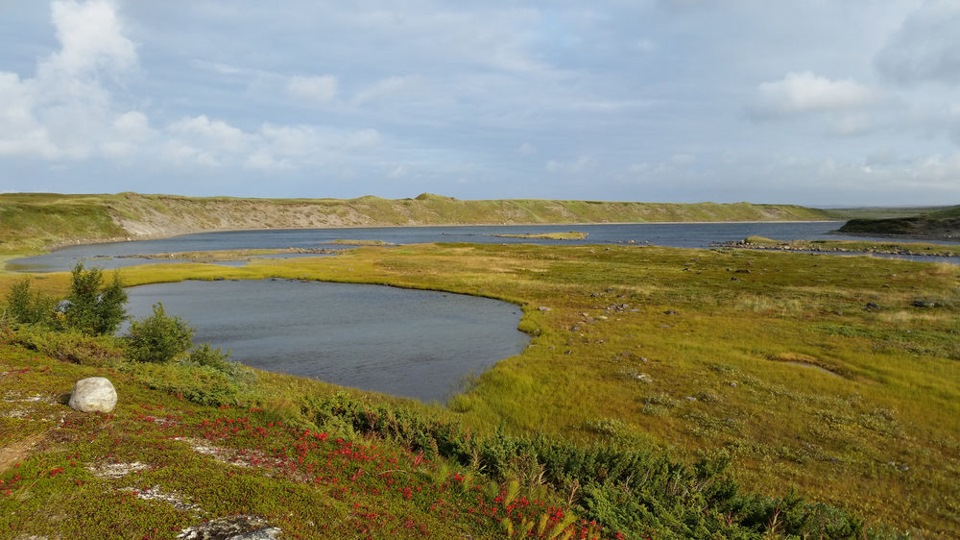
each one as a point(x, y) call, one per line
point(666, 393)
point(936, 223)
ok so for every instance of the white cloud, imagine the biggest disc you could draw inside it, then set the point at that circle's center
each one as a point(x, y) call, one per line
point(319, 89)
point(213, 134)
point(383, 88)
point(286, 147)
point(64, 111)
point(364, 138)
point(805, 92)
point(91, 37)
point(938, 169)
point(577, 166)
point(307, 142)
point(130, 131)
point(926, 47)
point(20, 133)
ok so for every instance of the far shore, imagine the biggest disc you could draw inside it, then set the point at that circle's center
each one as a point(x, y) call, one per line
point(81, 242)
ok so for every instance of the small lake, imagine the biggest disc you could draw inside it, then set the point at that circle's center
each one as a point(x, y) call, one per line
point(412, 343)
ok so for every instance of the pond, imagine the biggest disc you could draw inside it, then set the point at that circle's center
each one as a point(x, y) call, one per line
point(412, 343)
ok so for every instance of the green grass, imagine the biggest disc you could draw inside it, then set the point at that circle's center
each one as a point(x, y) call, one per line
point(30, 223)
point(771, 359)
point(945, 213)
point(694, 331)
point(934, 223)
point(881, 212)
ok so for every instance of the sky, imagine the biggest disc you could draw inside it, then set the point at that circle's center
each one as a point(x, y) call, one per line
point(814, 102)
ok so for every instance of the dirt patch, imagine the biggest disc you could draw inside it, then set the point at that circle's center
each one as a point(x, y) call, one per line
point(17, 451)
point(807, 361)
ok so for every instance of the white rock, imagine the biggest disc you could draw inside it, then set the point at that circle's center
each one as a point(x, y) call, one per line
point(95, 394)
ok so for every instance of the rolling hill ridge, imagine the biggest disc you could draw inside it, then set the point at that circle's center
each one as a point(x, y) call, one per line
point(51, 220)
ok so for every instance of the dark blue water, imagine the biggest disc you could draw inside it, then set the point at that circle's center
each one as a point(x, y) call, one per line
point(689, 235)
point(412, 343)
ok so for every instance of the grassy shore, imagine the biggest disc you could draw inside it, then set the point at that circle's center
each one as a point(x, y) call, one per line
point(850, 246)
point(835, 377)
point(938, 223)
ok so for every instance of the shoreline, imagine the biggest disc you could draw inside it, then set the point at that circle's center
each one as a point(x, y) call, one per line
point(63, 245)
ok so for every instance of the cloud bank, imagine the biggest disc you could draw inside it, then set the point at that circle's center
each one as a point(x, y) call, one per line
point(816, 103)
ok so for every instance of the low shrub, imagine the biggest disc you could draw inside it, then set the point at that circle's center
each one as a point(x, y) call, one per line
point(639, 490)
point(207, 356)
point(33, 308)
point(158, 338)
point(202, 385)
point(69, 346)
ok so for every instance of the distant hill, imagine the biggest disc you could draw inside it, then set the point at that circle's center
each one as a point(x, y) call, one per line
point(39, 221)
point(943, 223)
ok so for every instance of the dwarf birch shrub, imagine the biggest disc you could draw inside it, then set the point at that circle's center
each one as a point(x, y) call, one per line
point(27, 307)
point(92, 307)
point(158, 338)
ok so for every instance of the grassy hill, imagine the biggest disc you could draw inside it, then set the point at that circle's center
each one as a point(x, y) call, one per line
point(52, 219)
point(942, 223)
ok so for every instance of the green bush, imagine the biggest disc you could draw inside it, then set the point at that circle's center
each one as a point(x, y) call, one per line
point(197, 384)
point(27, 307)
point(207, 356)
point(69, 345)
point(158, 338)
point(92, 307)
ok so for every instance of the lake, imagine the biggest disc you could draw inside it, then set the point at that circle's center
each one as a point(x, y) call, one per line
point(688, 235)
point(412, 343)
point(418, 344)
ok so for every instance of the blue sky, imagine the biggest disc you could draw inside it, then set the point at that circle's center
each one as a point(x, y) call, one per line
point(816, 102)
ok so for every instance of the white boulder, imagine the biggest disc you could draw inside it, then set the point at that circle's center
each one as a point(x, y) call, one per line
point(94, 394)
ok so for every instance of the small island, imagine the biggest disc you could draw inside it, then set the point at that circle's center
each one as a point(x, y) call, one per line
point(569, 235)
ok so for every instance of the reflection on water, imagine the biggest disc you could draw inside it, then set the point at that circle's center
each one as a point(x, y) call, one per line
point(419, 344)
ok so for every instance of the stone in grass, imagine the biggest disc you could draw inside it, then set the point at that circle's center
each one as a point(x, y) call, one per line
point(232, 528)
point(94, 394)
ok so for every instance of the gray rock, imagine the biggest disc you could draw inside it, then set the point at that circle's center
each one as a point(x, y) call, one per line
point(267, 533)
point(232, 528)
point(94, 394)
